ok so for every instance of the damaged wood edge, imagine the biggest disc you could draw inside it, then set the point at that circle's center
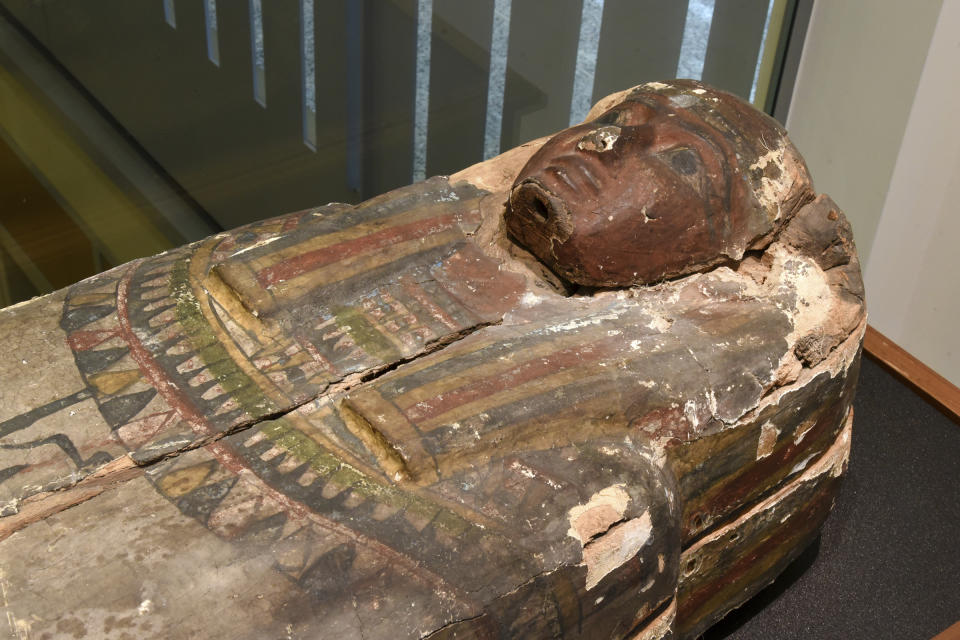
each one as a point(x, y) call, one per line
point(45, 504)
point(834, 462)
point(658, 624)
point(837, 362)
point(922, 379)
point(451, 627)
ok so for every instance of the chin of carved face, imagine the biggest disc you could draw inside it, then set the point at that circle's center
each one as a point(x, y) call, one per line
point(647, 191)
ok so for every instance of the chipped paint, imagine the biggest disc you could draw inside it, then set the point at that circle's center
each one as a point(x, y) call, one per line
point(772, 191)
point(660, 627)
point(530, 299)
point(600, 140)
point(767, 440)
point(256, 245)
point(604, 508)
point(615, 547)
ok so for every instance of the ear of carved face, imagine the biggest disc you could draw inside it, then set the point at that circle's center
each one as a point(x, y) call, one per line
point(674, 179)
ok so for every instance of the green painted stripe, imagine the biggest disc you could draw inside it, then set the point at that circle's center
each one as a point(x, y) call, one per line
point(366, 335)
point(207, 345)
point(280, 432)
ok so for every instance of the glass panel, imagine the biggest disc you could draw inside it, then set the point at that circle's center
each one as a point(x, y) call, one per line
point(131, 127)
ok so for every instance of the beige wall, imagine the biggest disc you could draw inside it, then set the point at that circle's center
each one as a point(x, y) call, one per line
point(859, 71)
point(913, 276)
point(876, 112)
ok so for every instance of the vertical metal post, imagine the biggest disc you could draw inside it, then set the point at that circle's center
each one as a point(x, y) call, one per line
point(499, 40)
point(696, 34)
point(355, 106)
point(170, 13)
point(213, 39)
point(257, 55)
point(421, 111)
point(591, 18)
point(309, 74)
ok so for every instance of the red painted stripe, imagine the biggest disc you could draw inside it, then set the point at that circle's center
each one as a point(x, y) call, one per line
point(418, 294)
point(86, 340)
point(236, 464)
point(369, 243)
point(311, 348)
point(151, 370)
point(511, 378)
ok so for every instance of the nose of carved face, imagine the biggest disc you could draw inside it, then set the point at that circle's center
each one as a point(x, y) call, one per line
point(539, 218)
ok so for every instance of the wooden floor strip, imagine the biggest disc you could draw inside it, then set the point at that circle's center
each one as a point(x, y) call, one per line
point(953, 633)
point(917, 375)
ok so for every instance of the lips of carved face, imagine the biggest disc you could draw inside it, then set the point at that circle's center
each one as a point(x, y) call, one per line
point(626, 199)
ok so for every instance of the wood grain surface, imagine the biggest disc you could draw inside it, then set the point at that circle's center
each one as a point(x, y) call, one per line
point(919, 376)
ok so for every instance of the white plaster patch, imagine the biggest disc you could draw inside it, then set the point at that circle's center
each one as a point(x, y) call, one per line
point(659, 323)
point(803, 277)
point(604, 508)
point(803, 429)
point(582, 322)
point(684, 100)
point(530, 299)
point(690, 413)
point(800, 466)
point(773, 191)
point(767, 440)
point(256, 245)
point(615, 547)
point(527, 472)
point(600, 140)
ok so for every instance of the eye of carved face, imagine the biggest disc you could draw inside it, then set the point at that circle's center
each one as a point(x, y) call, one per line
point(667, 182)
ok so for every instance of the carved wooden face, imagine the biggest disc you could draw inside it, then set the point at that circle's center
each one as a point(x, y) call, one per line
point(657, 186)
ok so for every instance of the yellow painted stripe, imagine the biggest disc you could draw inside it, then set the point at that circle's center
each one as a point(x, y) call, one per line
point(528, 389)
point(346, 269)
point(549, 345)
point(360, 230)
point(541, 433)
point(395, 427)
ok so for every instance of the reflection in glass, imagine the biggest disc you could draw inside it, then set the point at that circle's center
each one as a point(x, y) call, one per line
point(309, 78)
point(499, 40)
point(213, 37)
point(169, 150)
point(169, 13)
point(422, 91)
point(696, 35)
point(256, 48)
point(587, 46)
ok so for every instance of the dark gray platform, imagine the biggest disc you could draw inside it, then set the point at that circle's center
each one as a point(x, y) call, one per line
point(888, 561)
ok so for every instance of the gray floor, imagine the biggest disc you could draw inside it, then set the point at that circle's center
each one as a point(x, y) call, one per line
point(887, 564)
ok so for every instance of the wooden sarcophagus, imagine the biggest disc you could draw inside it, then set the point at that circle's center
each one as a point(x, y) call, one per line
point(597, 387)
